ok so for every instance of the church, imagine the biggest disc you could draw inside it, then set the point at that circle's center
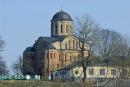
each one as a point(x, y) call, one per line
point(55, 52)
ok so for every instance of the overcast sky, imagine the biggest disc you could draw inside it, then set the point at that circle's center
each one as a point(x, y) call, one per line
point(23, 21)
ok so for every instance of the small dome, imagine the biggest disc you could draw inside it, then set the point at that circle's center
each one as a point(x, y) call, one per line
point(61, 16)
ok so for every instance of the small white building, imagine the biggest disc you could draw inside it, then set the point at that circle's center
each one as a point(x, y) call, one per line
point(62, 74)
point(94, 72)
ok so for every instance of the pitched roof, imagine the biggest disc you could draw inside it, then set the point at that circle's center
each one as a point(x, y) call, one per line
point(51, 39)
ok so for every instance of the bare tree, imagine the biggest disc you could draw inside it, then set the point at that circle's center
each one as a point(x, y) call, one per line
point(104, 42)
point(112, 45)
point(107, 42)
point(3, 68)
point(122, 62)
point(18, 66)
point(84, 27)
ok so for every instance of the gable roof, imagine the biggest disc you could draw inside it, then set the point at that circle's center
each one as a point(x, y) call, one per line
point(51, 39)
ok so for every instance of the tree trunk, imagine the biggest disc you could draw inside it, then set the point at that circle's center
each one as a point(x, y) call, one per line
point(84, 71)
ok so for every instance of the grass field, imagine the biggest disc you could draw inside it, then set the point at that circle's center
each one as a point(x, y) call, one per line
point(32, 83)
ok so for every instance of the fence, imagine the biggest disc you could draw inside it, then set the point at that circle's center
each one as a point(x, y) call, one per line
point(20, 77)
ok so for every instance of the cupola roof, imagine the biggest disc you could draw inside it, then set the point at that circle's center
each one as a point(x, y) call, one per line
point(61, 16)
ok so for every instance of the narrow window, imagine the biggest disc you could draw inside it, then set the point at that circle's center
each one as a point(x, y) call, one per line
point(56, 29)
point(59, 57)
point(61, 29)
point(51, 55)
point(54, 55)
point(124, 72)
point(71, 58)
point(102, 72)
point(57, 65)
point(91, 72)
point(65, 58)
point(66, 28)
point(113, 72)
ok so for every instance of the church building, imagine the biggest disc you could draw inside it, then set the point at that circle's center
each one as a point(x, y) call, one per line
point(57, 51)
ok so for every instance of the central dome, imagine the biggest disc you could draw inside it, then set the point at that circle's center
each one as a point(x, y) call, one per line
point(61, 16)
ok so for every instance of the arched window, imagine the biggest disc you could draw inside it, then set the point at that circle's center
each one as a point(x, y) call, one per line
point(59, 57)
point(51, 55)
point(61, 29)
point(56, 29)
point(54, 55)
point(73, 45)
point(66, 28)
point(71, 58)
point(65, 58)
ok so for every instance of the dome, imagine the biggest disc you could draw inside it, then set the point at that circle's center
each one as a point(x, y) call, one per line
point(61, 16)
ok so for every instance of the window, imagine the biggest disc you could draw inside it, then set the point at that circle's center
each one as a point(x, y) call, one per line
point(66, 28)
point(60, 72)
point(76, 72)
point(102, 71)
point(65, 58)
point(71, 58)
point(51, 55)
point(59, 57)
point(61, 29)
point(57, 65)
point(54, 55)
point(47, 55)
point(56, 29)
point(64, 72)
point(124, 72)
point(91, 71)
point(113, 72)
point(56, 74)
